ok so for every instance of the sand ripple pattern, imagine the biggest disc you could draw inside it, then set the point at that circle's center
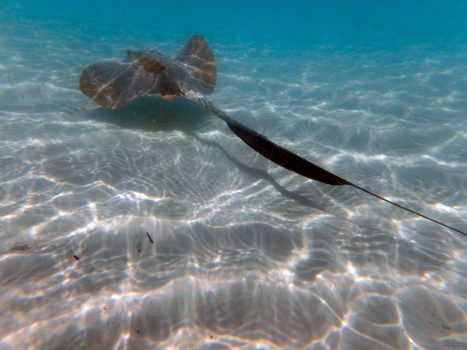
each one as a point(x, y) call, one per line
point(154, 227)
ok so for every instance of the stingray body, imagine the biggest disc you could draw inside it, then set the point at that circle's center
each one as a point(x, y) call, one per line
point(192, 74)
point(113, 84)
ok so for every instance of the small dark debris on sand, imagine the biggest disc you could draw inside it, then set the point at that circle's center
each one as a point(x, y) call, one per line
point(150, 238)
point(76, 257)
point(20, 247)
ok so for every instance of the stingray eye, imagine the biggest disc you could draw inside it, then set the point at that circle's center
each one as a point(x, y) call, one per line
point(151, 66)
point(156, 67)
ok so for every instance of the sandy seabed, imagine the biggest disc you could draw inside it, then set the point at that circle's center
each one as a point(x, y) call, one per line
point(154, 227)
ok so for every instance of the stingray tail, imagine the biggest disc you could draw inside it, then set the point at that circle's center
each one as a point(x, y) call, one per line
point(407, 209)
point(293, 162)
point(284, 157)
point(198, 57)
point(272, 151)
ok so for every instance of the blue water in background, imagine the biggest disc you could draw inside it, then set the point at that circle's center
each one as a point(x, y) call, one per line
point(301, 25)
point(245, 254)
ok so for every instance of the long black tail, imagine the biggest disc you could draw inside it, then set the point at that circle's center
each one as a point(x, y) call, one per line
point(293, 162)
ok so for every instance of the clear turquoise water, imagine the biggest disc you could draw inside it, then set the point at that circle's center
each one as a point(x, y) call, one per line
point(245, 254)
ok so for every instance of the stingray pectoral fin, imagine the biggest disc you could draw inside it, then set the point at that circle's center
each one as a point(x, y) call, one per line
point(113, 84)
point(199, 59)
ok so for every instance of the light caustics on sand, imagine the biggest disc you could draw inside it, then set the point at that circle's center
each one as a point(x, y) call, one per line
point(192, 74)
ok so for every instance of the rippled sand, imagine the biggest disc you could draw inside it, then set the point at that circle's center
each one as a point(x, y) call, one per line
point(154, 227)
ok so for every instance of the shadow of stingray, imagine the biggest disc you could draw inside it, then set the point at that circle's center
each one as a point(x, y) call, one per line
point(258, 173)
point(152, 113)
point(324, 204)
point(157, 114)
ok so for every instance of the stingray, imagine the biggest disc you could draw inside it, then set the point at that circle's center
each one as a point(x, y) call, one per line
point(192, 74)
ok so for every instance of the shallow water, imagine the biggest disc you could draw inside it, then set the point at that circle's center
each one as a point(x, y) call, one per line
point(155, 227)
